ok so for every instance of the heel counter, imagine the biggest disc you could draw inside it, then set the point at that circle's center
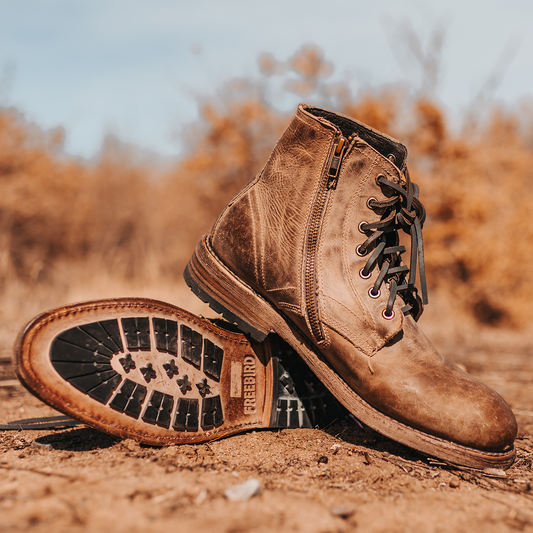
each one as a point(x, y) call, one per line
point(232, 236)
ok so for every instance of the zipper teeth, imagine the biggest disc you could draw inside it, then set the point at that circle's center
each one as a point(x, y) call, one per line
point(312, 242)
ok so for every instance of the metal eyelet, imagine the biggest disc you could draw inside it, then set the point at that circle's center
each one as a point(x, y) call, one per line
point(371, 293)
point(369, 275)
point(361, 226)
point(387, 317)
point(392, 158)
point(358, 251)
point(369, 200)
point(377, 178)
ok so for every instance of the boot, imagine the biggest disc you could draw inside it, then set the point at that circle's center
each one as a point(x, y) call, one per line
point(310, 250)
point(146, 370)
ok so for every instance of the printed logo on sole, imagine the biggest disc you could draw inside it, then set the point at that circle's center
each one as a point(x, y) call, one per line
point(151, 369)
point(249, 384)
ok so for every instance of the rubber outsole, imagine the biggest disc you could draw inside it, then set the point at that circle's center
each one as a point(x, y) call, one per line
point(153, 372)
point(217, 286)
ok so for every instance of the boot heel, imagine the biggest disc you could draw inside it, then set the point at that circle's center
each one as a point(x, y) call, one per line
point(215, 285)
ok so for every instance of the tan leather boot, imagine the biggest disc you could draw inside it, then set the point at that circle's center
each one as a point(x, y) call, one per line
point(309, 249)
point(150, 371)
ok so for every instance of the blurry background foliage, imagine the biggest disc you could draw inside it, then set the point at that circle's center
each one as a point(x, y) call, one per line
point(132, 222)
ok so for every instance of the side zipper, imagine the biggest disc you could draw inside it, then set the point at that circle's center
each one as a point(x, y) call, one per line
point(335, 163)
point(328, 182)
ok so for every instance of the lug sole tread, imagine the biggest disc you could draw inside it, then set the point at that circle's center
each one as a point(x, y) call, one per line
point(111, 363)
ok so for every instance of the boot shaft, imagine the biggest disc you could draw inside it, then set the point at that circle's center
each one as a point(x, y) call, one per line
point(292, 232)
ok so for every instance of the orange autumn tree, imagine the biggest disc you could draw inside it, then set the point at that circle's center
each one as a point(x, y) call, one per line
point(128, 217)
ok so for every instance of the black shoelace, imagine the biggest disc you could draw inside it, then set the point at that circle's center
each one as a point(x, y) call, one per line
point(401, 210)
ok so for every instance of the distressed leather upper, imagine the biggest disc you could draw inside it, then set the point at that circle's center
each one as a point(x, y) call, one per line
point(262, 237)
point(268, 220)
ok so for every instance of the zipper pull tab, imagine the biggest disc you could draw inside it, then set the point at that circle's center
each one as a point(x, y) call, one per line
point(335, 163)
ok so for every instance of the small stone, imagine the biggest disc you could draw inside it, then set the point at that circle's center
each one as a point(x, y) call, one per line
point(495, 472)
point(42, 445)
point(244, 491)
point(323, 460)
point(454, 483)
point(343, 511)
point(335, 448)
point(201, 497)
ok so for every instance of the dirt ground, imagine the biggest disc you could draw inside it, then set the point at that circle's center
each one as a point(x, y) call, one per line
point(343, 478)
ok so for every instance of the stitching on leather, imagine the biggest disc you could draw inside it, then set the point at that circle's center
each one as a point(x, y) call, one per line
point(291, 307)
point(359, 343)
point(377, 163)
point(345, 245)
point(311, 123)
point(254, 240)
point(69, 312)
point(381, 340)
point(318, 179)
point(262, 244)
point(233, 201)
point(389, 169)
point(320, 262)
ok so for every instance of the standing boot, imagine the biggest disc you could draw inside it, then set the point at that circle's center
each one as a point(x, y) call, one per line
point(150, 371)
point(310, 250)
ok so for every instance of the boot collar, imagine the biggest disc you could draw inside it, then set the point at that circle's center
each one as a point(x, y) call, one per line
point(382, 143)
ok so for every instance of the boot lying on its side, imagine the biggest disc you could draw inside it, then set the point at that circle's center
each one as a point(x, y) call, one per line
point(309, 250)
point(150, 371)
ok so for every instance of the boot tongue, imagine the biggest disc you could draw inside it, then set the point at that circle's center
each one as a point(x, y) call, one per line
point(382, 143)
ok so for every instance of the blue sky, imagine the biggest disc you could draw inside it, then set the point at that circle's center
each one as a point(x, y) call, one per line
point(127, 66)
